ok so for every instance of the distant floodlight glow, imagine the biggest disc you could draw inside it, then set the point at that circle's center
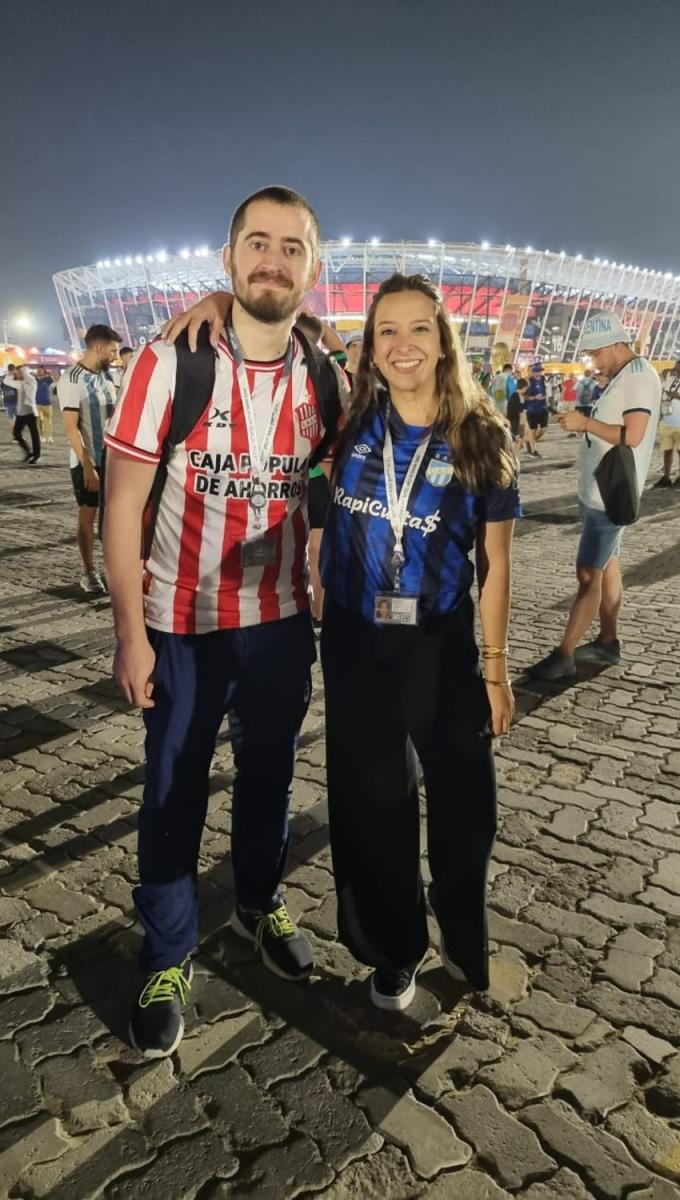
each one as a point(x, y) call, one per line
point(100, 264)
point(149, 258)
point(139, 258)
point(117, 262)
point(162, 256)
point(432, 242)
point(485, 245)
point(346, 241)
point(579, 257)
point(184, 253)
point(375, 241)
point(128, 260)
point(107, 262)
point(529, 250)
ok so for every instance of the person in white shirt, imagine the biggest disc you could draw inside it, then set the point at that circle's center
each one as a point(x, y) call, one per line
point(27, 413)
point(669, 427)
point(632, 399)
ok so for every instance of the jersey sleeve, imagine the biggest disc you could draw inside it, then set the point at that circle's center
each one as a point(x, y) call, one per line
point(500, 503)
point(68, 394)
point(141, 417)
point(639, 393)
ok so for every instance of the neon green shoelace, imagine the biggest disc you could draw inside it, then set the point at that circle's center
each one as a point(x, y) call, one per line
point(163, 985)
point(277, 923)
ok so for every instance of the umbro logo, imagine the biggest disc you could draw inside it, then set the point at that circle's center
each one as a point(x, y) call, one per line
point(361, 450)
point(219, 417)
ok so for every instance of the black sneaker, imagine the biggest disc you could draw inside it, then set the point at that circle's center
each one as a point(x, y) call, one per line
point(554, 666)
point(608, 653)
point(284, 950)
point(394, 988)
point(664, 482)
point(156, 1025)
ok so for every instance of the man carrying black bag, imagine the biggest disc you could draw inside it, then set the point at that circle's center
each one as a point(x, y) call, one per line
point(611, 481)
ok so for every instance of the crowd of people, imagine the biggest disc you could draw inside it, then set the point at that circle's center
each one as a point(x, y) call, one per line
point(218, 439)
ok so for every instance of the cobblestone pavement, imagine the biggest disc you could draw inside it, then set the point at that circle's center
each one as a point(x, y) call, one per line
point(563, 1081)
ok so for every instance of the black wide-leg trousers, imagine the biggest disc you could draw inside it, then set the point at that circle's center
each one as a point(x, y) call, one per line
point(390, 691)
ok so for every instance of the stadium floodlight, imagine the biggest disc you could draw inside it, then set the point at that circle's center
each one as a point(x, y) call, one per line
point(139, 258)
point(184, 253)
point(432, 242)
point(509, 248)
point(202, 252)
point(149, 258)
point(22, 321)
point(100, 264)
point(128, 260)
point(375, 241)
point(107, 262)
point(162, 256)
point(117, 262)
point(485, 245)
point(346, 241)
point(529, 249)
point(596, 260)
point(563, 253)
point(579, 257)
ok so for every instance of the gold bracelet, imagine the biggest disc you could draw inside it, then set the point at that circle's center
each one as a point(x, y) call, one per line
point(497, 682)
point(494, 650)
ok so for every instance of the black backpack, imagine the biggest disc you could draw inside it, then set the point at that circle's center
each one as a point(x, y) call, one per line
point(194, 384)
point(616, 478)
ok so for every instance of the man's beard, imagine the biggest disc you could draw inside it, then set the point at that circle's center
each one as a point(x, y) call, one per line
point(268, 307)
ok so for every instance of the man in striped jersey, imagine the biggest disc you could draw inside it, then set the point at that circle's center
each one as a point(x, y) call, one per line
point(86, 396)
point(216, 620)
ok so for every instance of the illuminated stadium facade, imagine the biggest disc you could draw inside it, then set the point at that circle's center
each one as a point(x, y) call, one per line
point(535, 302)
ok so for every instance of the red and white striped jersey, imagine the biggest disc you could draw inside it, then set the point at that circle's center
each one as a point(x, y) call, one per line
point(194, 580)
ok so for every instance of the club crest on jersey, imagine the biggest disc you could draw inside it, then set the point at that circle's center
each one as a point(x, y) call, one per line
point(439, 472)
point(308, 420)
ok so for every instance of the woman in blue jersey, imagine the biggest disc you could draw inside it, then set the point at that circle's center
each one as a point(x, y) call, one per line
point(424, 475)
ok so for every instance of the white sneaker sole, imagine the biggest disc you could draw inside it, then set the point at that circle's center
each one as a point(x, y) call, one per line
point(396, 1003)
point(240, 930)
point(151, 1052)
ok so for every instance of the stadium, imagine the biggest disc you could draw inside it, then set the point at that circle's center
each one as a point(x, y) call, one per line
point(532, 302)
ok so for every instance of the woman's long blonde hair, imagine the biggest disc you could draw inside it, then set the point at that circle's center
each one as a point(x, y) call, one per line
point(466, 419)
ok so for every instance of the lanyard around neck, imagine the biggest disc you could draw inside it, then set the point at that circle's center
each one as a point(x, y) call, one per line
point(397, 502)
point(259, 451)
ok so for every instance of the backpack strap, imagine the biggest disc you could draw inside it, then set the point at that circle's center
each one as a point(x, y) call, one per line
point(194, 384)
point(325, 384)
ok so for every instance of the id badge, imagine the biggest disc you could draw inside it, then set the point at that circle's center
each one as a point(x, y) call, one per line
point(258, 553)
point(396, 608)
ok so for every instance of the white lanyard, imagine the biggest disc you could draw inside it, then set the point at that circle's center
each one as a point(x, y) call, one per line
point(397, 503)
point(259, 451)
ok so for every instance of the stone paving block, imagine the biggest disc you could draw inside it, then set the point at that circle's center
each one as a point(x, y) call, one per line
point(19, 1093)
point(605, 1078)
point(594, 1035)
point(529, 938)
point(468, 1184)
point(650, 1140)
point(603, 1160)
point(499, 1140)
point(512, 892)
point(79, 1091)
point(616, 912)
point(653, 1048)
point(624, 878)
point(67, 905)
point(668, 874)
point(297, 1169)
point(24, 1008)
point(528, 1071)
point(571, 924)
point(626, 1008)
point(384, 1174)
point(37, 1141)
point(665, 984)
point(456, 1065)
point(284, 1056)
point(148, 1085)
point(19, 969)
point(564, 1185)
point(553, 1015)
point(660, 814)
point(215, 1045)
point(61, 1035)
point(509, 976)
point(337, 1125)
point(663, 1096)
point(428, 1140)
point(485, 1024)
point(570, 822)
point(239, 1111)
point(660, 1189)
point(180, 1169)
point(90, 1164)
point(626, 970)
point(180, 1112)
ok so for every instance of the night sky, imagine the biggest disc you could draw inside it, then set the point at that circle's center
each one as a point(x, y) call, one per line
point(136, 125)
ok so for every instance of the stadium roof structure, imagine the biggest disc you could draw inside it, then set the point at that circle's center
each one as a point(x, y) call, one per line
point(534, 302)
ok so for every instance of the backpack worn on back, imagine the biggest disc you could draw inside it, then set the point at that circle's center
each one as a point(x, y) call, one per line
point(194, 383)
point(616, 478)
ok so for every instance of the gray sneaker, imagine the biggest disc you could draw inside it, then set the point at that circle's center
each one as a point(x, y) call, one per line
point(607, 653)
point(554, 666)
point(93, 584)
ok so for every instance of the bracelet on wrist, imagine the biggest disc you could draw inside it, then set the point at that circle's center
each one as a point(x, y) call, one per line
point(497, 682)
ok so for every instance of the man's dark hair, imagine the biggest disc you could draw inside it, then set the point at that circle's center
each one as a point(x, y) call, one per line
point(522, 385)
point(275, 195)
point(125, 350)
point(101, 333)
point(507, 366)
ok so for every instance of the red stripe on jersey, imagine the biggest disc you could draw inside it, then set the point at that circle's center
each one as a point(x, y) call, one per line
point(235, 524)
point(284, 443)
point(189, 559)
point(135, 397)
